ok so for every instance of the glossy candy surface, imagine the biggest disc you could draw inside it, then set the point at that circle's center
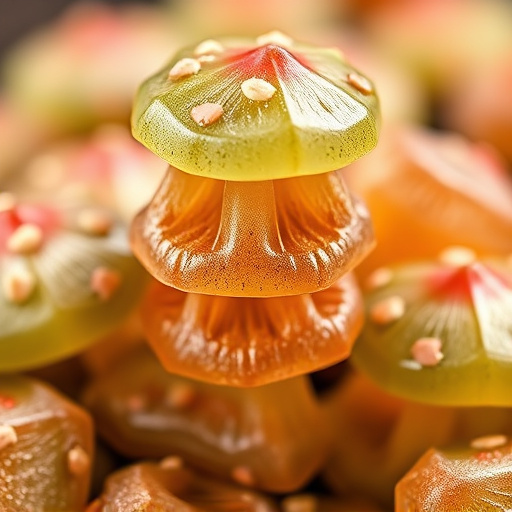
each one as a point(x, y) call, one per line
point(440, 332)
point(463, 479)
point(168, 487)
point(250, 342)
point(378, 437)
point(427, 190)
point(67, 278)
point(46, 447)
point(271, 238)
point(272, 437)
point(309, 111)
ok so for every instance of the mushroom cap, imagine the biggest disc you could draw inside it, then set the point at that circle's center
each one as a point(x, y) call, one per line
point(440, 332)
point(67, 278)
point(322, 115)
point(245, 342)
point(459, 479)
point(46, 455)
point(251, 239)
point(169, 486)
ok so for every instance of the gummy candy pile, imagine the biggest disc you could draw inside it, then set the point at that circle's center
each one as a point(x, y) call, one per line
point(296, 297)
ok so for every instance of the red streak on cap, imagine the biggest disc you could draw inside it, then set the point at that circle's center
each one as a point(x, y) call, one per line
point(267, 62)
point(463, 283)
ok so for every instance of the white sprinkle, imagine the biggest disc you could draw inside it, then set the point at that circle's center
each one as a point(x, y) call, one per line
point(206, 59)
point(79, 461)
point(18, 284)
point(207, 113)
point(94, 222)
point(243, 475)
point(379, 278)
point(208, 47)
point(489, 442)
point(8, 436)
point(184, 68)
point(258, 89)
point(388, 310)
point(275, 37)
point(136, 403)
point(360, 83)
point(427, 351)
point(105, 282)
point(300, 503)
point(26, 239)
point(8, 202)
point(171, 462)
point(180, 396)
point(457, 256)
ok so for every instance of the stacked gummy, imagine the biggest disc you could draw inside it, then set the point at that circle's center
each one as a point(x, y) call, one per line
point(252, 236)
point(251, 233)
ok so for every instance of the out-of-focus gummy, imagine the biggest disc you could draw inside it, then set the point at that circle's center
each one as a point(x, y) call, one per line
point(463, 307)
point(168, 487)
point(46, 458)
point(75, 284)
point(428, 190)
point(276, 433)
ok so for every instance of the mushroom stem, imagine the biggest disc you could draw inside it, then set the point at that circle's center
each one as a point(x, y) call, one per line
point(249, 217)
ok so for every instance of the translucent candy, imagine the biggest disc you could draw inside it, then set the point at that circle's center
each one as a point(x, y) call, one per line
point(168, 487)
point(426, 191)
point(67, 278)
point(271, 437)
point(321, 115)
point(46, 447)
point(379, 436)
point(250, 342)
point(270, 238)
point(460, 479)
point(440, 333)
point(320, 503)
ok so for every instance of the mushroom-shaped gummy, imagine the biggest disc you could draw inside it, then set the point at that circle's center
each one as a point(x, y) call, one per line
point(380, 436)
point(170, 487)
point(270, 437)
point(319, 503)
point(67, 278)
point(440, 332)
point(459, 479)
point(427, 190)
point(259, 239)
point(46, 445)
point(245, 110)
point(241, 341)
point(247, 113)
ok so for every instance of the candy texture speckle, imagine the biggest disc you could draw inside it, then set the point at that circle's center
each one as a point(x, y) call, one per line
point(311, 111)
point(260, 239)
